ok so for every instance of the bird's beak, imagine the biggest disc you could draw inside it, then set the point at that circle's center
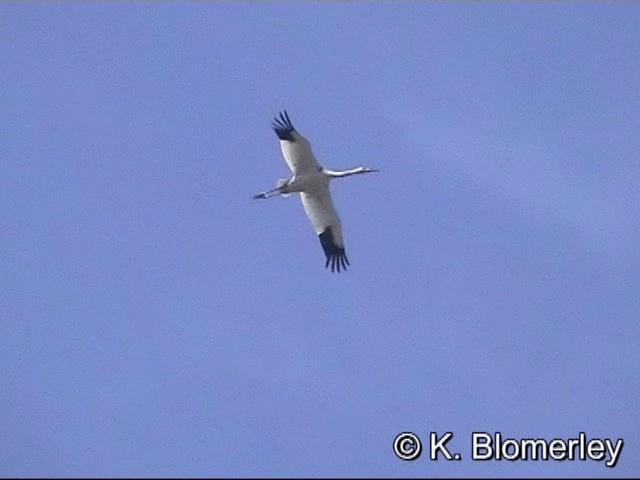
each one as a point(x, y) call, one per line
point(373, 170)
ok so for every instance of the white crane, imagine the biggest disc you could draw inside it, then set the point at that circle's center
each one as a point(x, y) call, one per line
point(311, 181)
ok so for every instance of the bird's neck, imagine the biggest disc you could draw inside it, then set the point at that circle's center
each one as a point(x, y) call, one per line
point(343, 173)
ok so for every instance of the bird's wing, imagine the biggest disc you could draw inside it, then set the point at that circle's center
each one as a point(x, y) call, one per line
point(296, 150)
point(326, 223)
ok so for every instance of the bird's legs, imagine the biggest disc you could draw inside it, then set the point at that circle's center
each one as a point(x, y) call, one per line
point(270, 193)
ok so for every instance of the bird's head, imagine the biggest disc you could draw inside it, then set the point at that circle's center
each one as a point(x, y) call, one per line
point(369, 170)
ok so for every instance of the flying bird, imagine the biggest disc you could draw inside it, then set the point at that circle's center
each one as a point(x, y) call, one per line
point(311, 181)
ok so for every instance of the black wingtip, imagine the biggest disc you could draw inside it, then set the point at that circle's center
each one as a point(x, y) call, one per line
point(283, 127)
point(336, 256)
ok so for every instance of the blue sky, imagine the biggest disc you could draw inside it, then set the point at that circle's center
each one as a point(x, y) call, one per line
point(157, 321)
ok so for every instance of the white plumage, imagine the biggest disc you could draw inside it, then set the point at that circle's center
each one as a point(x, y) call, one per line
point(311, 181)
point(297, 152)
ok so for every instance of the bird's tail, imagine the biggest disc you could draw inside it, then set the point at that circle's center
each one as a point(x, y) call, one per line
point(281, 183)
